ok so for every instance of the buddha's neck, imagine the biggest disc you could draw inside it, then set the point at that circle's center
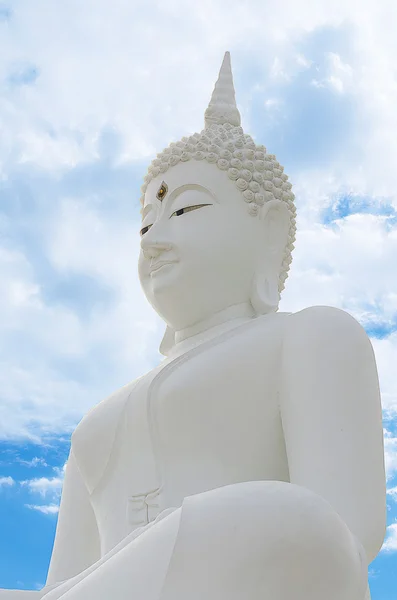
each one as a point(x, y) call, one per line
point(209, 328)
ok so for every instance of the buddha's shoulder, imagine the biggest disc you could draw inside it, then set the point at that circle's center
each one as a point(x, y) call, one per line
point(316, 325)
point(314, 322)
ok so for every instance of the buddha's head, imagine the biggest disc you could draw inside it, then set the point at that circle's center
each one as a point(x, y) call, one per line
point(218, 220)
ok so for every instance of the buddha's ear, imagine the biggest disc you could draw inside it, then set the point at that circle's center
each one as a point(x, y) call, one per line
point(168, 341)
point(276, 220)
point(265, 295)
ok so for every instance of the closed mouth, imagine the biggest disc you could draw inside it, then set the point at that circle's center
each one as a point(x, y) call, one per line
point(158, 265)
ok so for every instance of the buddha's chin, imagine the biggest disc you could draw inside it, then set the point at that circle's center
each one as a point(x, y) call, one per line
point(164, 282)
point(170, 294)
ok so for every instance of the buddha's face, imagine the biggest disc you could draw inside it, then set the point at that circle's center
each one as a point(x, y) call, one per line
point(199, 247)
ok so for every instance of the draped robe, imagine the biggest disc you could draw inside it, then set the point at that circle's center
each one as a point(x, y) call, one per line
point(200, 421)
point(186, 427)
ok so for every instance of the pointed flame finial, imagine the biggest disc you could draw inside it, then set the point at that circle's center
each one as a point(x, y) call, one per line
point(222, 107)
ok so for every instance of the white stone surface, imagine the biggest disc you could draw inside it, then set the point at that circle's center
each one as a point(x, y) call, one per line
point(249, 463)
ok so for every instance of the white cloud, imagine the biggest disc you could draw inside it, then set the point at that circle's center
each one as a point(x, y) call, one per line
point(47, 486)
point(44, 486)
point(390, 544)
point(56, 120)
point(6, 482)
point(34, 462)
point(46, 509)
point(339, 74)
point(56, 124)
point(37, 402)
point(38, 398)
point(386, 354)
point(393, 493)
point(390, 455)
point(350, 265)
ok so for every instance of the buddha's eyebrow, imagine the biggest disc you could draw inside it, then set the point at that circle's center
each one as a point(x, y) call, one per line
point(170, 198)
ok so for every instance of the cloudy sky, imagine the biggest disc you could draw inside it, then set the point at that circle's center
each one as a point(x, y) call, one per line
point(89, 92)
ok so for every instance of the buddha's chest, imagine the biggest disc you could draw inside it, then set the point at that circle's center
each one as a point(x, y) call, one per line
point(215, 420)
point(205, 420)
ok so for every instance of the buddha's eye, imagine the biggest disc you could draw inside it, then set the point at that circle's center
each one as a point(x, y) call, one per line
point(182, 211)
point(145, 229)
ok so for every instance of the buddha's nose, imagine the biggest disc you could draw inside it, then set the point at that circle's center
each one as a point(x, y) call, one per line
point(152, 246)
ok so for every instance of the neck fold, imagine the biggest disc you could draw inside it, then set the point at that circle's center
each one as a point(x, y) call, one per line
point(209, 328)
point(227, 315)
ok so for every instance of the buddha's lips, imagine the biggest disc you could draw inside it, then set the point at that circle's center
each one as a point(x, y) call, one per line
point(156, 266)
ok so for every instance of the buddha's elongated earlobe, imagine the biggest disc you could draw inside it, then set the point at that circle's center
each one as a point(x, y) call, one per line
point(265, 294)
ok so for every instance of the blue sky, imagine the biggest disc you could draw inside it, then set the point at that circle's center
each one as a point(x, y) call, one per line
point(88, 94)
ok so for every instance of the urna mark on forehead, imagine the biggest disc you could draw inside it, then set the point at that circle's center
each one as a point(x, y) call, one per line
point(155, 196)
point(162, 193)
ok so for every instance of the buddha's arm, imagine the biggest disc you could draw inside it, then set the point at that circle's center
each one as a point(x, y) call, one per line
point(77, 544)
point(332, 419)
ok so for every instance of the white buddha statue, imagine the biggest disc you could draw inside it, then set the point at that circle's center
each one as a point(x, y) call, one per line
point(249, 463)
